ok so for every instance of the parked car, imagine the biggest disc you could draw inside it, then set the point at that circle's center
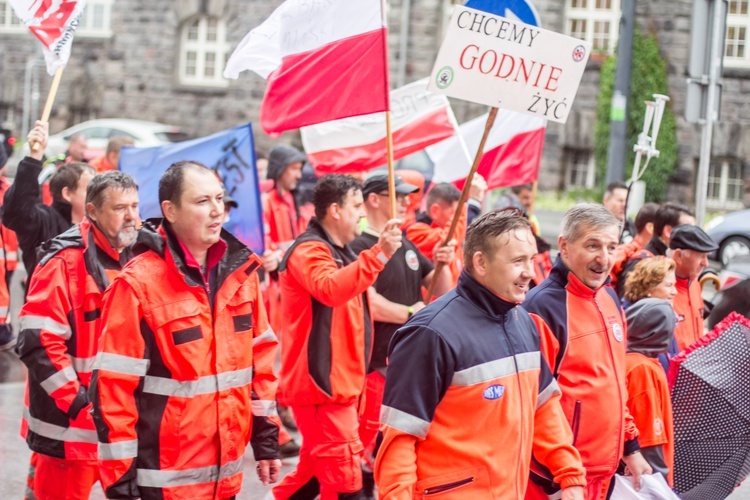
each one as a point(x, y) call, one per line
point(732, 233)
point(98, 133)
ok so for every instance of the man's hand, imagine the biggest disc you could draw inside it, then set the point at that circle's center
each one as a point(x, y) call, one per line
point(636, 466)
point(572, 493)
point(37, 139)
point(390, 238)
point(268, 471)
point(418, 306)
point(478, 188)
point(270, 261)
point(445, 254)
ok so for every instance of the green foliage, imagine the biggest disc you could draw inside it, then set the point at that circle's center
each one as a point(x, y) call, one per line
point(649, 76)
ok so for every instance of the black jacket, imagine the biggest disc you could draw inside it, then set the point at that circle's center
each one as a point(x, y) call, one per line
point(33, 221)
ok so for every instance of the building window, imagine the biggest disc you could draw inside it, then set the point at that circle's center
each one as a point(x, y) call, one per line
point(204, 52)
point(95, 21)
point(580, 171)
point(596, 21)
point(736, 50)
point(725, 185)
point(9, 23)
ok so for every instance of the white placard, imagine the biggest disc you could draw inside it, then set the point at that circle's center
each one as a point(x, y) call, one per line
point(504, 63)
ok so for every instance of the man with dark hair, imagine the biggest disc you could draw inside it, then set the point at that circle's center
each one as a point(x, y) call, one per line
point(644, 226)
point(60, 329)
point(615, 199)
point(111, 157)
point(327, 339)
point(583, 337)
point(395, 296)
point(525, 194)
point(35, 222)
point(668, 216)
point(184, 379)
point(431, 228)
point(468, 393)
point(77, 146)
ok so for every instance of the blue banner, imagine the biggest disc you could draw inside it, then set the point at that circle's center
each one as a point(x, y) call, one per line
point(231, 154)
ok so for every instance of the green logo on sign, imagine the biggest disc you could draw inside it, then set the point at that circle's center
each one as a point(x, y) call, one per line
point(444, 77)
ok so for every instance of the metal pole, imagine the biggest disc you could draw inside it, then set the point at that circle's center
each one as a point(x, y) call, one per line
point(701, 184)
point(618, 127)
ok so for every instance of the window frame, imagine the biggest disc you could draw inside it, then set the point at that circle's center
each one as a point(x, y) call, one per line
point(738, 21)
point(202, 47)
point(591, 15)
point(723, 181)
point(571, 164)
point(10, 24)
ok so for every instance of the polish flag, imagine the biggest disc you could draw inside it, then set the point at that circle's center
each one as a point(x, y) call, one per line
point(323, 61)
point(512, 152)
point(54, 23)
point(418, 118)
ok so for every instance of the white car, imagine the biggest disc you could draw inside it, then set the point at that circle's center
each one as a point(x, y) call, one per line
point(98, 133)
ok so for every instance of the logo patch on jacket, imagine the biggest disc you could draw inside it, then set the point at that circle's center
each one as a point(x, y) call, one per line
point(411, 260)
point(617, 331)
point(494, 392)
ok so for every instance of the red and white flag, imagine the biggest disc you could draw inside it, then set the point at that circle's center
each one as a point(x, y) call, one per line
point(418, 118)
point(512, 153)
point(54, 23)
point(323, 61)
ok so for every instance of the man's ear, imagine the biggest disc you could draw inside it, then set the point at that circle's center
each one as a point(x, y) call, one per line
point(90, 211)
point(562, 245)
point(66, 194)
point(168, 209)
point(480, 263)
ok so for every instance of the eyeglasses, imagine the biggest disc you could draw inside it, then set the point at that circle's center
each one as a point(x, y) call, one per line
point(399, 197)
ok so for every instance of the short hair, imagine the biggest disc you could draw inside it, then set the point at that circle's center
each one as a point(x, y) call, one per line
point(645, 276)
point(171, 183)
point(443, 192)
point(481, 236)
point(586, 215)
point(669, 215)
point(77, 137)
point(114, 179)
point(260, 155)
point(521, 187)
point(646, 214)
point(116, 143)
point(332, 189)
point(68, 176)
point(612, 186)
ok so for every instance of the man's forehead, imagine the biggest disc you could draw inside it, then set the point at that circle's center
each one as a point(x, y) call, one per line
point(200, 182)
point(602, 233)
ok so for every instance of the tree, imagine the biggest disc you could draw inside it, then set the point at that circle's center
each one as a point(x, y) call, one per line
point(648, 77)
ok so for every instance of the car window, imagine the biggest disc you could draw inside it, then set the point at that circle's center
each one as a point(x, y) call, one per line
point(94, 133)
point(172, 136)
point(115, 132)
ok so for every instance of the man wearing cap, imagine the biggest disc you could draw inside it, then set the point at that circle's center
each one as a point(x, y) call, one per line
point(689, 247)
point(395, 297)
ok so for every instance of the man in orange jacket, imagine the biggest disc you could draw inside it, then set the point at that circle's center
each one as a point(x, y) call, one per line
point(584, 341)
point(184, 376)
point(60, 329)
point(644, 227)
point(468, 393)
point(689, 247)
point(327, 338)
point(8, 264)
point(111, 157)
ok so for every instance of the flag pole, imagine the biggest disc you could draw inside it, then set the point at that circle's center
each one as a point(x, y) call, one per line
point(388, 131)
point(50, 99)
point(464, 195)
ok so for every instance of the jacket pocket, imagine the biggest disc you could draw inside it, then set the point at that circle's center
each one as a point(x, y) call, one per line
point(458, 484)
point(575, 423)
point(183, 336)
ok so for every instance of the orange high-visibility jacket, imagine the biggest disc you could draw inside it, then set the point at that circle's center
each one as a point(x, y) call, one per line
point(181, 385)
point(60, 329)
point(326, 340)
point(279, 220)
point(468, 396)
point(9, 238)
point(688, 305)
point(584, 341)
point(650, 404)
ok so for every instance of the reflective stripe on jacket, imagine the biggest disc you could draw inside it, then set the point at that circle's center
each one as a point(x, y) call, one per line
point(468, 396)
point(327, 336)
point(584, 340)
point(60, 329)
point(181, 385)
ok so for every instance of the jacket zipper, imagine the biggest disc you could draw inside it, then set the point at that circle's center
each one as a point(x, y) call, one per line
point(576, 423)
point(520, 394)
point(445, 487)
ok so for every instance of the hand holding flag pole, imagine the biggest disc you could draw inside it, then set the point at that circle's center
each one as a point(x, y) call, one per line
point(464, 196)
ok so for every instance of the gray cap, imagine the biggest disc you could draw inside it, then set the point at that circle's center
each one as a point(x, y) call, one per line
point(687, 237)
point(280, 157)
point(651, 324)
point(378, 183)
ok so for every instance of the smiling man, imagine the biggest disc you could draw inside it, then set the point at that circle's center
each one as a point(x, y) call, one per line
point(60, 329)
point(584, 341)
point(468, 394)
point(184, 377)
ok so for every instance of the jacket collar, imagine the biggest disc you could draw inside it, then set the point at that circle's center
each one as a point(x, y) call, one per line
point(683, 283)
point(561, 274)
point(656, 246)
point(480, 296)
point(64, 208)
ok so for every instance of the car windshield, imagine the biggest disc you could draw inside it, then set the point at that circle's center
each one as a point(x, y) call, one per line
point(174, 136)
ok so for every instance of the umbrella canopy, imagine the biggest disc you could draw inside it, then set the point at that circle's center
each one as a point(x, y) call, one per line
point(710, 386)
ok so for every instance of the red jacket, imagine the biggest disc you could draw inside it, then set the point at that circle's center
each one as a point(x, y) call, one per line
point(426, 235)
point(183, 382)
point(688, 305)
point(585, 342)
point(60, 329)
point(327, 337)
point(284, 222)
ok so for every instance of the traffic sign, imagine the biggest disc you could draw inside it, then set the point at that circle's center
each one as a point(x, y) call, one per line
point(522, 10)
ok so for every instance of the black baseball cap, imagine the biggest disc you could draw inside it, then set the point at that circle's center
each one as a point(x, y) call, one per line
point(687, 237)
point(379, 184)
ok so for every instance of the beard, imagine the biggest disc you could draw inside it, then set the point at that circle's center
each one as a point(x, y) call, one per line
point(126, 235)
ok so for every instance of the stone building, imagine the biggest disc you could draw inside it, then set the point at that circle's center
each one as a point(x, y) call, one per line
point(162, 60)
